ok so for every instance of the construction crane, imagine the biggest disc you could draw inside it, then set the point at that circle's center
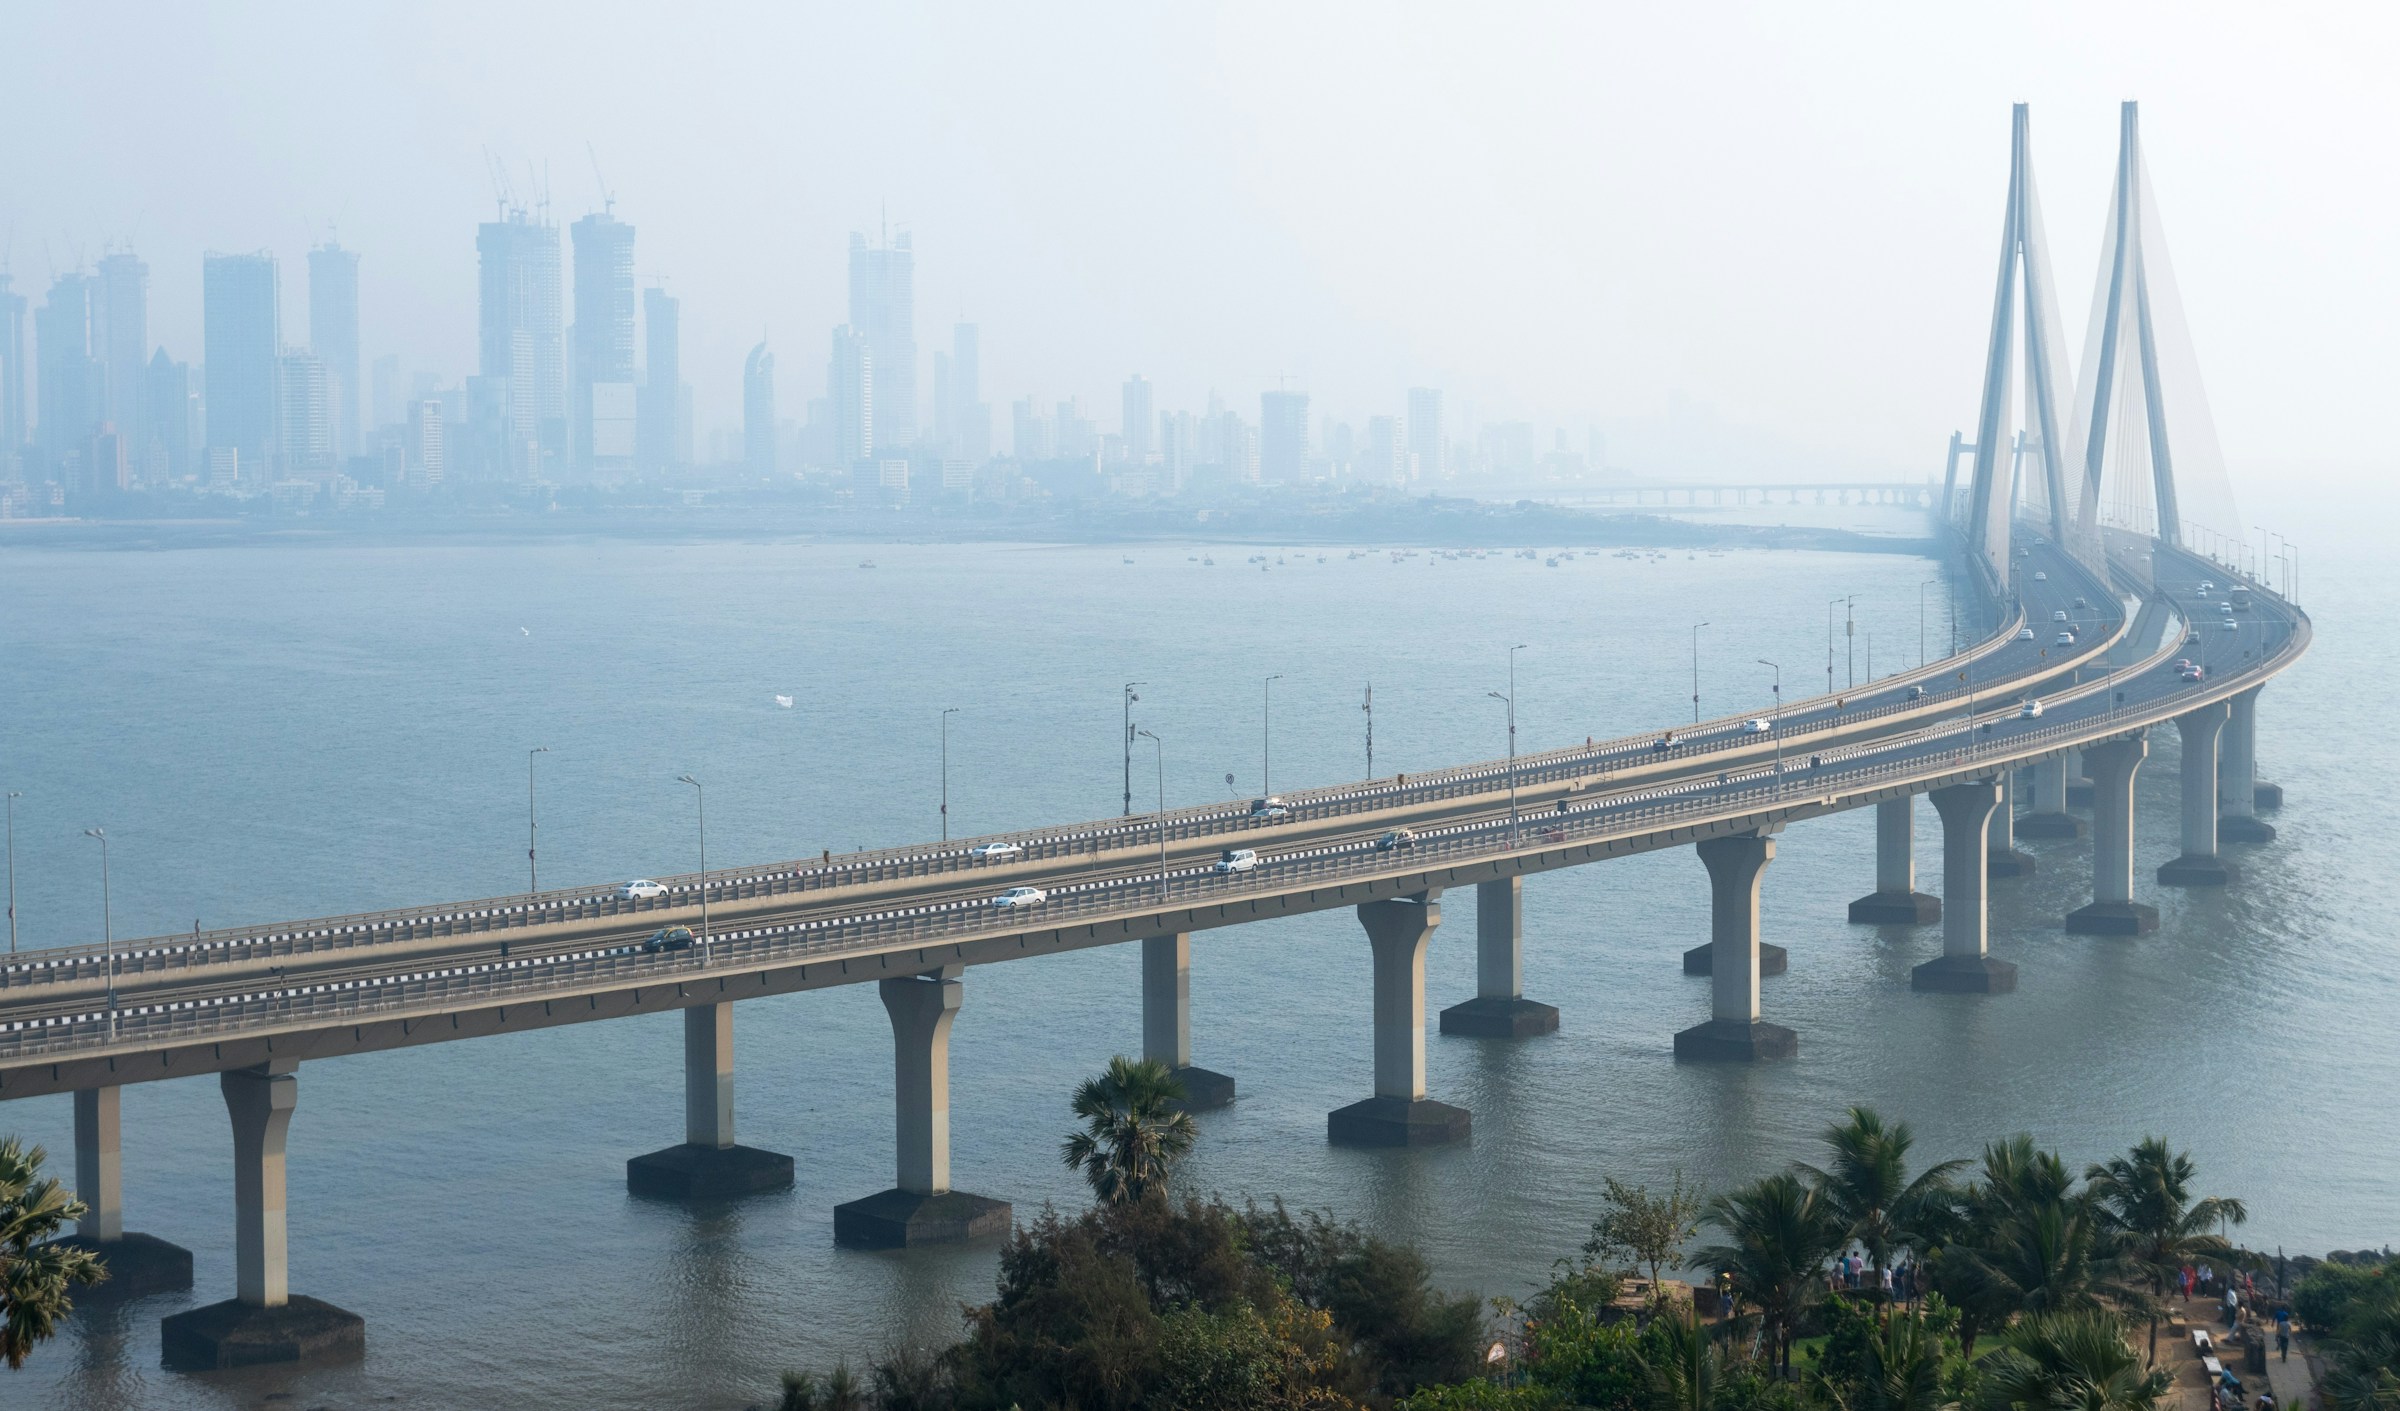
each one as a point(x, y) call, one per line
point(608, 196)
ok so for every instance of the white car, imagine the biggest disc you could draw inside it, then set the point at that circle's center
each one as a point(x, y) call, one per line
point(2039, 577)
point(1236, 860)
point(2207, 583)
point(2058, 615)
point(2065, 639)
point(1759, 727)
point(642, 889)
point(1021, 896)
point(2229, 624)
point(2031, 710)
point(992, 852)
point(1269, 807)
point(2024, 634)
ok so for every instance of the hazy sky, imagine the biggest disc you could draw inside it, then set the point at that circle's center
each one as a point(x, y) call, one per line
point(1788, 213)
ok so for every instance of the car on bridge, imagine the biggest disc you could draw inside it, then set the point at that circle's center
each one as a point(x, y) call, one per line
point(1917, 693)
point(641, 889)
point(2024, 634)
point(1235, 860)
point(1269, 807)
point(993, 852)
point(2065, 639)
point(668, 938)
point(1021, 896)
point(1759, 727)
point(2229, 624)
point(2058, 614)
point(1402, 837)
point(2031, 710)
point(2040, 577)
point(2190, 671)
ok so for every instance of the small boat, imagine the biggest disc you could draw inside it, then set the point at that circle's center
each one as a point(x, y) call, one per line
point(866, 563)
point(1208, 563)
point(784, 701)
point(1129, 560)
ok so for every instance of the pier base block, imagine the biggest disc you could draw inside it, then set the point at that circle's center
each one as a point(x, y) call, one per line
point(2191, 871)
point(2245, 828)
point(2113, 918)
point(2266, 796)
point(1895, 909)
point(138, 1266)
point(689, 1172)
point(1518, 1018)
point(1772, 960)
point(1396, 1121)
point(2049, 825)
point(2080, 793)
point(1964, 975)
point(1203, 1089)
point(898, 1219)
point(2011, 863)
point(1731, 1041)
point(235, 1334)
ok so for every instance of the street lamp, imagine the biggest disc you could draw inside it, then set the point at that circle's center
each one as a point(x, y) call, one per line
point(13, 796)
point(702, 795)
point(946, 714)
point(1130, 698)
point(1266, 735)
point(1778, 726)
point(1921, 587)
point(1159, 748)
point(1510, 700)
point(1850, 639)
point(1696, 671)
point(108, 930)
point(533, 876)
point(1369, 708)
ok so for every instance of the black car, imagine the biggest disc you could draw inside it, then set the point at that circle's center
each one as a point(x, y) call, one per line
point(668, 938)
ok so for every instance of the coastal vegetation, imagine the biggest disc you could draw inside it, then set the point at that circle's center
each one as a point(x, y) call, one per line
point(37, 1276)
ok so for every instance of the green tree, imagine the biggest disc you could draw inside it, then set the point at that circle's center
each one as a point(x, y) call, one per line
point(2365, 1348)
point(1866, 1188)
point(1778, 1234)
point(1680, 1363)
point(1132, 1131)
point(2069, 1362)
point(1645, 1231)
point(36, 1277)
point(2146, 1205)
point(1891, 1365)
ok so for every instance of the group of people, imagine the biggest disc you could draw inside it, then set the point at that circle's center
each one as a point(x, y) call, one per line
point(1852, 1273)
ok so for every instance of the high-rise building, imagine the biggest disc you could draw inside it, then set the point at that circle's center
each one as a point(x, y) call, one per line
point(167, 401)
point(520, 353)
point(121, 338)
point(850, 385)
point(658, 420)
point(304, 402)
point(425, 452)
point(970, 415)
point(604, 411)
point(1177, 448)
point(333, 337)
point(883, 314)
point(1137, 421)
point(69, 376)
point(12, 375)
point(758, 411)
point(1386, 457)
point(241, 338)
point(1283, 437)
point(1425, 433)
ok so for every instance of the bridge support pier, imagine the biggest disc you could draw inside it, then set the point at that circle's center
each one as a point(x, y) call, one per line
point(708, 1165)
point(1895, 900)
point(2237, 776)
point(2113, 911)
point(2049, 818)
point(2199, 866)
point(921, 1208)
point(1399, 1114)
point(1733, 1031)
point(1966, 965)
point(264, 1321)
point(1500, 1009)
point(138, 1264)
point(1167, 1020)
point(2005, 859)
point(2082, 792)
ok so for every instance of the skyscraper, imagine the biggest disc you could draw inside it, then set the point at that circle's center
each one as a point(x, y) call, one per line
point(604, 412)
point(167, 401)
point(121, 339)
point(69, 377)
point(12, 375)
point(970, 416)
point(758, 411)
point(520, 354)
point(1135, 431)
point(1283, 437)
point(883, 313)
point(658, 421)
point(1425, 433)
point(333, 337)
point(850, 386)
point(304, 402)
point(241, 337)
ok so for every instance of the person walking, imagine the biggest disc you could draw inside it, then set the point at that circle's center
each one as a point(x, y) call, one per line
point(2283, 1341)
point(2233, 1305)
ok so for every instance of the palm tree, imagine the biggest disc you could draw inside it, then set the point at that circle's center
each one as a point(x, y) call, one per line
point(1778, 1237)
point(1132, 1130)
point(1680, 1362)
point(35, 1275)
point(2146, 1206)
point(1903, 1370)
point(2069, 1362)
point(1866, 1187)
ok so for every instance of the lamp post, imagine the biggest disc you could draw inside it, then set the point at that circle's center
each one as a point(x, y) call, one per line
point(1266, 735)
point(1921, 587)
point(1130, 698)
point(13, 796)
point(1159, 748)
point(1696, 671)
point(108, 930)
point(1850, 639)
point(946, 714)
point(1830, 605)
point(533, 876)
point(1511, 701)
point(1369, 708)
point(702, 796)
point(1777, 729)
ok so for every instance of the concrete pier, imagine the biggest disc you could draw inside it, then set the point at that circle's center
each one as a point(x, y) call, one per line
point(1966, 965)
point(1733, 1031)
point(921, 1208)
point(1167, 1020)
point(1500, 1009)
point(2048, 817)
point(1399, 1114)
point(2113, 911)
point(2199, 865)
point(2237, 775)
point(138, 1264)
point(2004, 859)
point(2079, 786)
point(1896, 900)
point(264, 1321)
point(708, 1164)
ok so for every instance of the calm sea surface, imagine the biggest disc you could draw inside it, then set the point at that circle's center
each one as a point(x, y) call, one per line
point(284, 730)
